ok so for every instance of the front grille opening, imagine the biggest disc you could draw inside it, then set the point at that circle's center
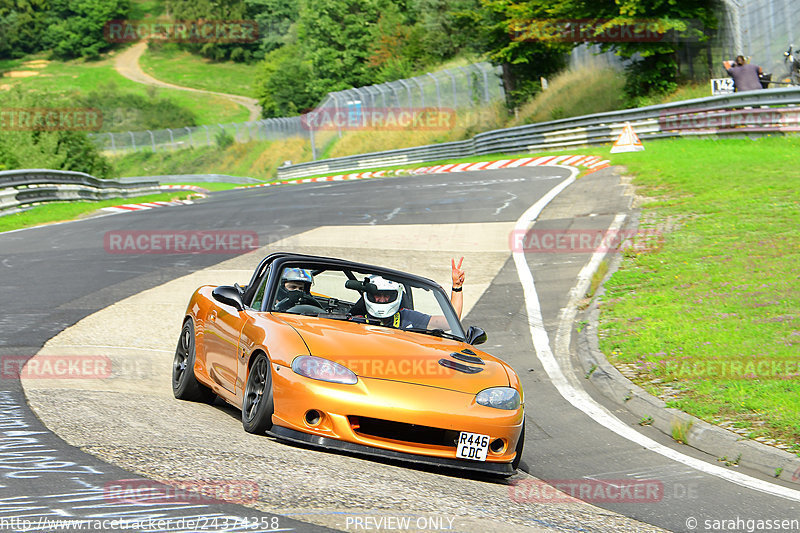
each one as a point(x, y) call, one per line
point(386, 429)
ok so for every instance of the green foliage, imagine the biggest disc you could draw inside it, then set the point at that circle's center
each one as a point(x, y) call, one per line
point(23, 24)
point(524, 61)
point(75, 28)
point(649, 76)
point(223, 139)
point(282, 86)
point(655, 70)
point(39, 148)
point(217, 11)
point(274, 18)
point(70, 28)
point(125, 111)
point(336, 36)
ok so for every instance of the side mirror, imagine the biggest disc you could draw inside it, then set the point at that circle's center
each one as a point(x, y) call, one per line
point(229, 296)
point(476, 335)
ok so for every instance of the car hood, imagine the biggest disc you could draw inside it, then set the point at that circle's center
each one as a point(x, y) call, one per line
point(386, 353)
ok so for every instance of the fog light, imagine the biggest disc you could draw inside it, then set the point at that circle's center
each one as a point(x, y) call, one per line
point(497, 446)
point(313, 417)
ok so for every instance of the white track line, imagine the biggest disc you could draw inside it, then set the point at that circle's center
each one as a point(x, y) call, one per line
point(576, 395)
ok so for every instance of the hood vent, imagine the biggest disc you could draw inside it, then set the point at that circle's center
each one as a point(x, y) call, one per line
point(467, 351)
point(458, 366)
point(467, 358)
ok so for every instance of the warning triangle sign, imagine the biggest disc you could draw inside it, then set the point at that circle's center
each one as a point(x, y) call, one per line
point(628, 141)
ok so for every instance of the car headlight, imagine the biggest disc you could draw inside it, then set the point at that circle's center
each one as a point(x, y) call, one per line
point(499, 398)
point(323, 370)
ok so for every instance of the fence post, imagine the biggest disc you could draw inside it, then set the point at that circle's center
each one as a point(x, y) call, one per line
point(152, 140)
point(113, 146)
point(208, 136)
point(189, 132)
point(336, 113)
point(394, 93)
point(408, 92)
point(421, 91)
point(455, 89)
point(133, 140)
point(469, 83)
point(171, 139)
point(438, 92)
point(485, 82)
point(311, 124)
point(383, 96)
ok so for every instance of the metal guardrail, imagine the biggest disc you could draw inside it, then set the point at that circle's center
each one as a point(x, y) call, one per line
point(24, 187)
point(748, 113)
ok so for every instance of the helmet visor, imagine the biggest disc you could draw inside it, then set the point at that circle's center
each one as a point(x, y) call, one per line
point(383, 296)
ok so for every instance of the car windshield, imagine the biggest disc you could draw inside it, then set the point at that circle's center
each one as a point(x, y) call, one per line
point(368, 297)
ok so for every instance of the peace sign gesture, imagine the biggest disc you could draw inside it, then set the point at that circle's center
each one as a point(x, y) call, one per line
point(458, 274)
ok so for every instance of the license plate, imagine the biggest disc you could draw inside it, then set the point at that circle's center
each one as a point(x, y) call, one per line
point(472, 446)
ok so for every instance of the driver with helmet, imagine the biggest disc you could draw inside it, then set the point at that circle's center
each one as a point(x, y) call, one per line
point(295, 286)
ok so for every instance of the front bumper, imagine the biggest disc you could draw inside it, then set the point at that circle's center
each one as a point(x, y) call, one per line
point(502, 469)
point(420, 420)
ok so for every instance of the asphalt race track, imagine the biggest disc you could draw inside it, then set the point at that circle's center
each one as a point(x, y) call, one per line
point(65, 293)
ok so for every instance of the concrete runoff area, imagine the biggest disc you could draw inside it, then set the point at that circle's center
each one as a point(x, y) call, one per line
point(129, 418)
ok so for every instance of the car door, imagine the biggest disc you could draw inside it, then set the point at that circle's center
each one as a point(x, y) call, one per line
point(223, 330)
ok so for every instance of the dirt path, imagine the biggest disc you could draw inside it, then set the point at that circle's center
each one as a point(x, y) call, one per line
point(127, 64)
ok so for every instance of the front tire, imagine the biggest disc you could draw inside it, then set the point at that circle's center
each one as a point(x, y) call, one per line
point(257, 405)
point(184, 383)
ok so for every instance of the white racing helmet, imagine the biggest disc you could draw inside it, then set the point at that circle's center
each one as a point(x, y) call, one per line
point(384, 302)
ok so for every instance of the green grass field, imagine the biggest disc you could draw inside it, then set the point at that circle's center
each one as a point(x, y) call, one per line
point(710, 317)
point(182, 68)
point(142, 9)
point(84, 76)
point(52, 212)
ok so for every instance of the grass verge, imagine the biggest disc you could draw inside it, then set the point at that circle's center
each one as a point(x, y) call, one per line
point(52, 212)
point(179, 67)
point(256, 159)
point(79, 76)
point(710, 316)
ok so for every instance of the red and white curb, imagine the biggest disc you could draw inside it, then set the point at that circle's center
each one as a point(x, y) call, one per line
point(194, 188)
point(144, 206)
point(199, 192)
point(592, 163)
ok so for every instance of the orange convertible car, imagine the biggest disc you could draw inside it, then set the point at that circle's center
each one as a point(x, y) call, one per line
point(352, 357)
